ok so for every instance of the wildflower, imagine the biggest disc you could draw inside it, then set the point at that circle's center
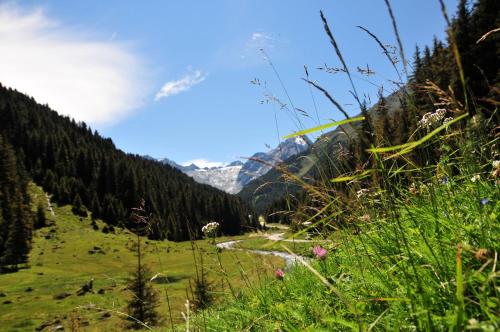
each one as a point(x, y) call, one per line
point(484, 201)
point(210, 229)
point(429, 119)
point(362, 192)
point(475, 178)
point(320, 252)
point(496, 163)
point(444, 180)
point(279, 274)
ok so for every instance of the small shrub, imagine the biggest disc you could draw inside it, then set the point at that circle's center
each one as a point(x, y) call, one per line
point(61, 296)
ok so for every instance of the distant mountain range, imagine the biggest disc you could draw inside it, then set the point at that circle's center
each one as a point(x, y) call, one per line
point(233, 177)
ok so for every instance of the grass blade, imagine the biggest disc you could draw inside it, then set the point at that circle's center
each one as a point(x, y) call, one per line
point(328, 125)
point(460, 290)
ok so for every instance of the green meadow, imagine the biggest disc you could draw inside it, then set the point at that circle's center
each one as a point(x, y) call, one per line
point(69, 252)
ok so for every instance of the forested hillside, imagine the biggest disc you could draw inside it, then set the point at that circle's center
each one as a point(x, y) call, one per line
point(80, 167)
point(16, 224)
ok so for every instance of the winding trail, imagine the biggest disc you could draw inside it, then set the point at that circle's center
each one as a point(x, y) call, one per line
point(290, 259)
point(280, 237)
point(49, 206)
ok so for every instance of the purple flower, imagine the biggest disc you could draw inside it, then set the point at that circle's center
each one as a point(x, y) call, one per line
point(444, 180)
point(320, 252)
point(279, 274)
point(484, 201)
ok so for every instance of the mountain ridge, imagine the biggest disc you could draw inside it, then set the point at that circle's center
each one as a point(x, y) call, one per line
point(233, 177)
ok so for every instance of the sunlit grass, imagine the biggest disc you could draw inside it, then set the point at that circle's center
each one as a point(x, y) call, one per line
point(63, 263)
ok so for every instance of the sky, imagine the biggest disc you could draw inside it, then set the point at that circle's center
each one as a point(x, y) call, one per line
point(205, 81)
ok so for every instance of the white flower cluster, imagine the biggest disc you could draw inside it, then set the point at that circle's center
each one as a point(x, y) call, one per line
point(475, 178)
point(362, 192)
point(496, 164)
point(430, 119)
point(211, 228)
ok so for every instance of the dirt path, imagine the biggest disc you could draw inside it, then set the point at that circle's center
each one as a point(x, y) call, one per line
point(49, 206)
point(280, 237)
point(290, 259)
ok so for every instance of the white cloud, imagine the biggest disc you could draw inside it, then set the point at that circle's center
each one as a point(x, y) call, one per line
point(184, 84)
point(260, 40)
point(99, 82)
point(255, 44)
point(202, 163)
point(260, 36)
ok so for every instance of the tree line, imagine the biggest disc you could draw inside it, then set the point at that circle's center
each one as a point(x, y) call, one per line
point(16, 220)
point(78, 166)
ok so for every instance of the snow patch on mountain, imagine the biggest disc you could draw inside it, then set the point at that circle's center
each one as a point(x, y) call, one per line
point(233, 177)
point(223, 177)
point(261, 163)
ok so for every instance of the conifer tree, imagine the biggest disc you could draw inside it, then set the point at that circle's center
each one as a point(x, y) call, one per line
point(41, 219)
point(78, 207)
point(16, 221)
point(18, 244)
point(142, 306)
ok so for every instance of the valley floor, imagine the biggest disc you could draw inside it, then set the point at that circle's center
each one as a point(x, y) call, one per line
point(69, 253)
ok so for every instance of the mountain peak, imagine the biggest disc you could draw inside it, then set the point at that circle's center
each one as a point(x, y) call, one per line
point(234, 176)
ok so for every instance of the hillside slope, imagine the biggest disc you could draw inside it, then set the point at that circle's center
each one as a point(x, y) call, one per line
point(70, 251)
point(79, 166)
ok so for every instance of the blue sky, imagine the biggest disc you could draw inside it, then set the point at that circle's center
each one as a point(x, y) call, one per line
point(172, 78)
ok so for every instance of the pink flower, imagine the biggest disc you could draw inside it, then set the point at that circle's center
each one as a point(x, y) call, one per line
point(320, 252)
point(279, 274)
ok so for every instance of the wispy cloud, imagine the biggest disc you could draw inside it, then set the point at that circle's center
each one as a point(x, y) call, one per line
point(99, 82)
point(260, 38)
point(202, 163)
point(183, 84)
point(258, 41)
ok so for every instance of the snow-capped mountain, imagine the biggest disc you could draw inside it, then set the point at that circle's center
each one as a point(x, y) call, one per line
point(261, 162)
point(222, 177)
point(233, 177)
point(172, 163)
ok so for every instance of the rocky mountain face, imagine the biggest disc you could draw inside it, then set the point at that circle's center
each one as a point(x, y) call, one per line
point(262, 162)
point(236, 175)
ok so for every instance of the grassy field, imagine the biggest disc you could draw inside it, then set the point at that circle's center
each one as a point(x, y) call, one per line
point(432, 265)
point(69, 253)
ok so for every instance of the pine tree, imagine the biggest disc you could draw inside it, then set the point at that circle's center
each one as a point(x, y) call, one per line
point(18, 242)
point(95, 207)
point(142, 306)
point(16, 222)
point(78, 207)
point(41, 219)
